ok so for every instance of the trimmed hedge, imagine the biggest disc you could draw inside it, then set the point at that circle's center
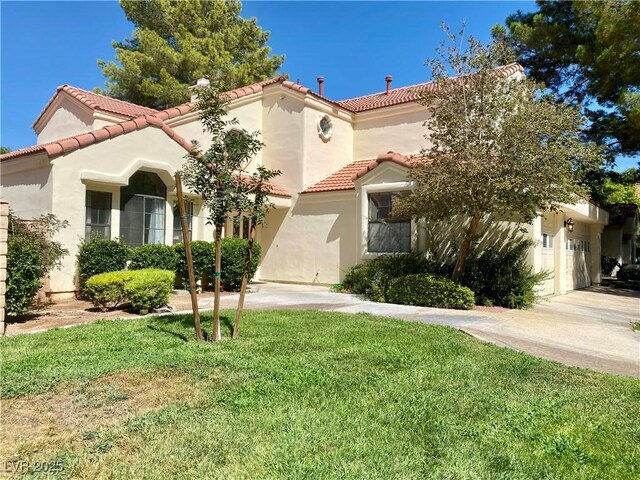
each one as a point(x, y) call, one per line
point(608, 265)
point(430, 291)
point(629, 272)
point(162, 257)
point(203, 255)
point(101, 255)
point(371, 279)
point(233, 254)
point(145, 289)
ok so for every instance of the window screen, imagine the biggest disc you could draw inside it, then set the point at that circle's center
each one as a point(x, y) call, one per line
point(387, 233)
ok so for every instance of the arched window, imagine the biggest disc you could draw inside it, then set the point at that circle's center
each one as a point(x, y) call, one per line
point(142, 209)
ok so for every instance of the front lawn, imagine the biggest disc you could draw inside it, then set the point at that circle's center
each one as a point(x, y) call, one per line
point(307, 394)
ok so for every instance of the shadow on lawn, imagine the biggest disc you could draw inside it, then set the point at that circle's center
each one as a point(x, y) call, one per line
point(184, 323)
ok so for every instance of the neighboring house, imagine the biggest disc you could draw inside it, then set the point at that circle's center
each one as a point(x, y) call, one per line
point(113, 175)
point(619, 236)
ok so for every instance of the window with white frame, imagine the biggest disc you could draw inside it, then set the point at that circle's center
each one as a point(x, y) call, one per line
point(142, 209)
point(547, 240)
point(98, 214)
point(177, 224)
point(387, 233)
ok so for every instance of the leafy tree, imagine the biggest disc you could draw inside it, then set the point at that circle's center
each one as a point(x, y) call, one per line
point(175, 43)
point(4, 150)
point(500, 147)
point(587, 52)
point(217, 174)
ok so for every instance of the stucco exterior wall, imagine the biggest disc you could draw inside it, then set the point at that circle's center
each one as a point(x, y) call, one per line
point(29, 191)
point(67, 120)
point(313, 242)
point(378, 132)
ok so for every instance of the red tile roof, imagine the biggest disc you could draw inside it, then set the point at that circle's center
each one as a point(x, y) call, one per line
point(95, 101)
point(344, 178)
point(413, 93)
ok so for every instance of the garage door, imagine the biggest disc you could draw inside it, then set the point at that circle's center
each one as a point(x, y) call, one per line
point(578, 262)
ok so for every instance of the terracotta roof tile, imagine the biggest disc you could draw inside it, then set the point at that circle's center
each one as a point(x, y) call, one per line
point(95, 101)
point(397, 96)
point(344, 178)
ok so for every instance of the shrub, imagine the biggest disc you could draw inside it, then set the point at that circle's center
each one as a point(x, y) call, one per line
point(429, 291)
point(232, 265)
point(501, 276)
point(107, 290)
point(608, 264)
point(371, 279)
point(629, 272)
point(31, 254)
point(161, 257)
point(145, 289)
point(203, 256)
point(101, 255)
point(149, 288)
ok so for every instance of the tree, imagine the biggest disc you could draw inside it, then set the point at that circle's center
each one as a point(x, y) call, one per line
point(4, 150)
point(217, 174)
point(587, 53)
point(258, 186)
point(501, 148)
point(175, 43)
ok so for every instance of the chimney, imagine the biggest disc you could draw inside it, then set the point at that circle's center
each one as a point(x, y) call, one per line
point(388, 78)
point(320, 86)
point(201, 83)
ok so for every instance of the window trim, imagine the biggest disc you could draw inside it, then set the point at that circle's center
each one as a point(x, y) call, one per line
point(363, 239)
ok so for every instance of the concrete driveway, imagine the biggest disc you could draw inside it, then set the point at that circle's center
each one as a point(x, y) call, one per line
point(587, 328)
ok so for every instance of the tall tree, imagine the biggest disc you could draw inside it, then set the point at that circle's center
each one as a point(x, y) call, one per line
point(500, 147)
point(218, 173)
point(4, 150)
point(587, 53)
point(177, 42)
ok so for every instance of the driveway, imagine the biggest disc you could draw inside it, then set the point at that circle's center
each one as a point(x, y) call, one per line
point(588, 328)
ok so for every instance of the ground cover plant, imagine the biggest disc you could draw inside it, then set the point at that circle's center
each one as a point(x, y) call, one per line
point(307, 394)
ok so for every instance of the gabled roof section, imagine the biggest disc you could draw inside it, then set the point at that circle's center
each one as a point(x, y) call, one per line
point(413, 93)
point(344, 179)
point(95, 101)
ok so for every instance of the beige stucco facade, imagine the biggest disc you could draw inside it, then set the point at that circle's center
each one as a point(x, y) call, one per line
point(309, 237)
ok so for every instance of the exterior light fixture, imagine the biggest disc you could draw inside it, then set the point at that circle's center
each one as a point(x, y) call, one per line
point(569, 224)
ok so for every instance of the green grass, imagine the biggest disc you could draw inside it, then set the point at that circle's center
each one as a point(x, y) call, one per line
point(636, 326)
point(317, 395)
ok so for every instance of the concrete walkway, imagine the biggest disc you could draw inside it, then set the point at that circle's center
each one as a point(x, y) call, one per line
point(587, 328)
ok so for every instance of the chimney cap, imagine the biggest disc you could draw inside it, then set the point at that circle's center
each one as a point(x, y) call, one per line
point(320, 79)
point(388, 78)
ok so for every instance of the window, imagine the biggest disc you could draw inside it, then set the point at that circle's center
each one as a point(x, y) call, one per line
point(177, 225)
point(142, 209)
point(547, 240)
point(241, 227)
point(98, 215)
point(387, 233)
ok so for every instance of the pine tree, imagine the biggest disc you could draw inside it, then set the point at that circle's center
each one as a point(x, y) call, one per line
point(175, 43)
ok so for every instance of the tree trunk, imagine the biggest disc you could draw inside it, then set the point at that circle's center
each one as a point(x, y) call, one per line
point(216, 282)
point(245, 277)
point(187, 251)
point(465, 248)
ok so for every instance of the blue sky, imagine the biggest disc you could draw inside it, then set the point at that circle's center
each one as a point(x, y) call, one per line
point(354, 45)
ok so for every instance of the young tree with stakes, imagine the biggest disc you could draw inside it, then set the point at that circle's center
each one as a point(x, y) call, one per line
point(217, 174)
point(500, 147)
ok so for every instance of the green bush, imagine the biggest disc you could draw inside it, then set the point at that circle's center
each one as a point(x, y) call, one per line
point(371, 279)
point(608, 264)
point(101, 255)
point(629, 272)
point(161, 257)
point(502, 277)
point(203, 256)
point(233, 255)
point(149, 288)
point(31, 254)
point(144, 289)
point(107, 290)
point(429, 291)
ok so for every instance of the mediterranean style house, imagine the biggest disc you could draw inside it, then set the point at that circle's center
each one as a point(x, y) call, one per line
point(107, 167)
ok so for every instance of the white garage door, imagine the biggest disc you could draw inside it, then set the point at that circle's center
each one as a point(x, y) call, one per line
point(578, 262)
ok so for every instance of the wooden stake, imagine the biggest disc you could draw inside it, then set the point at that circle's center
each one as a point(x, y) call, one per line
point(187, 250)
